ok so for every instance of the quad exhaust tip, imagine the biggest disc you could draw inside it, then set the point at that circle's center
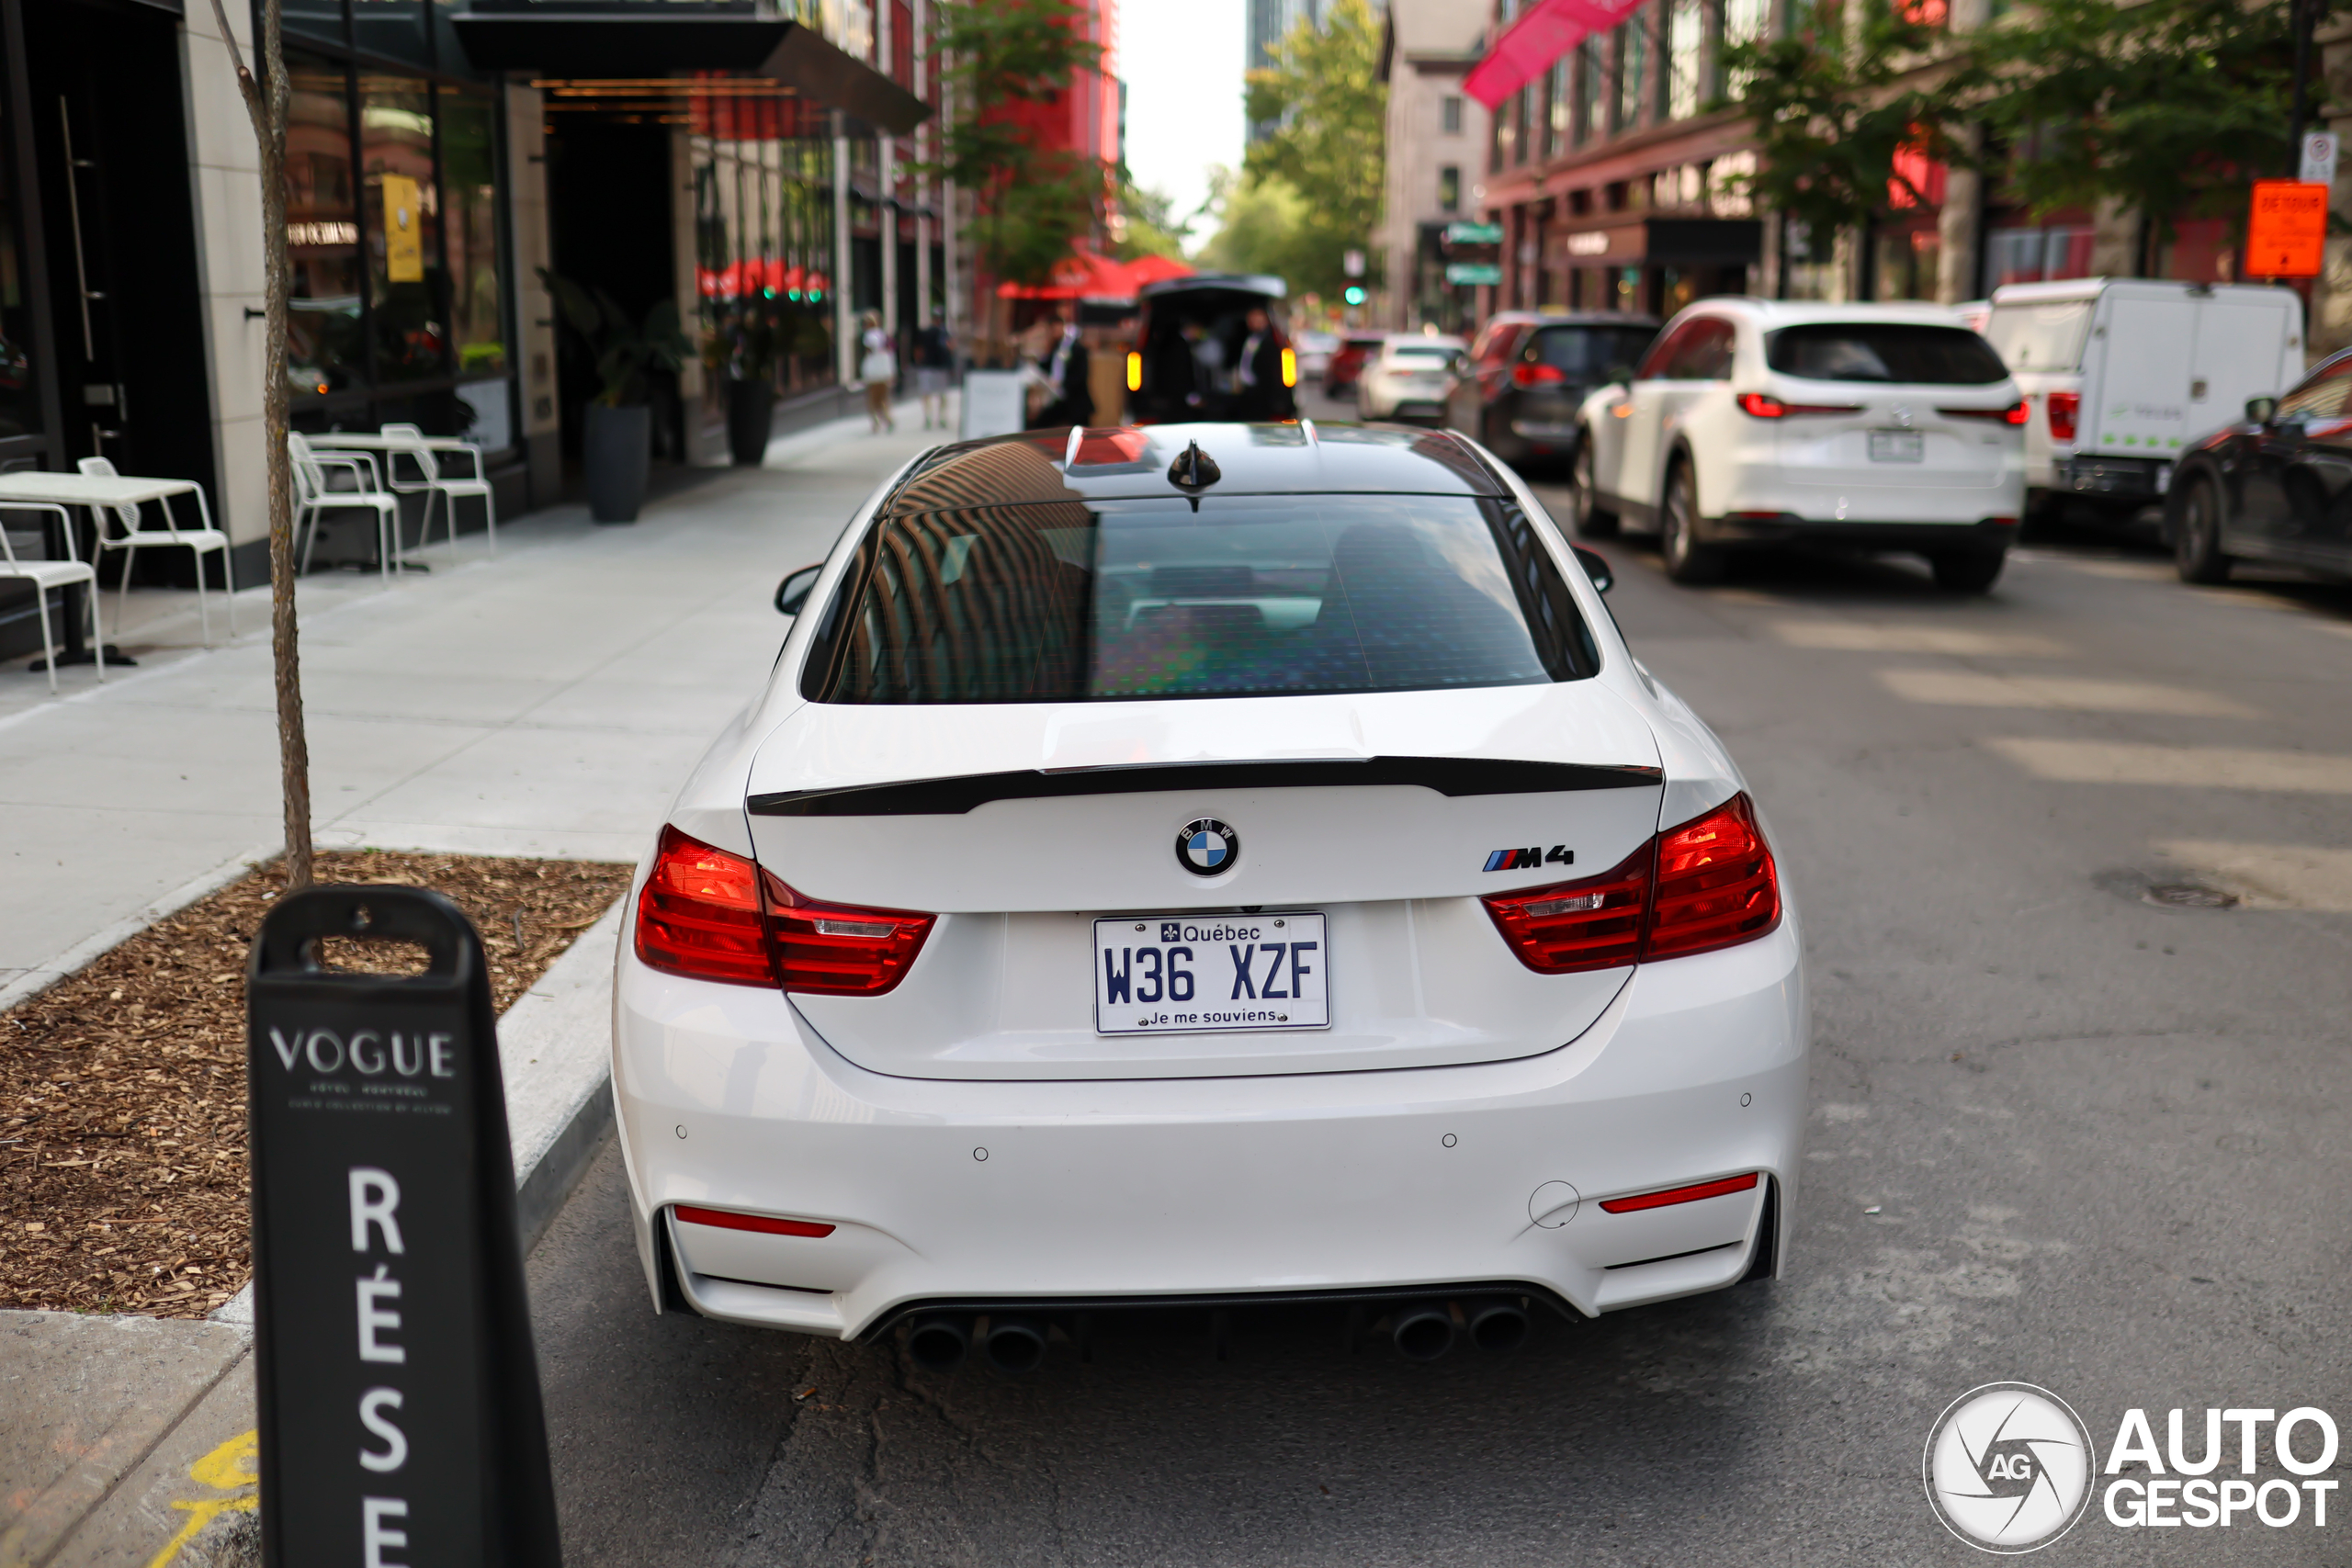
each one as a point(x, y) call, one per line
point(938, 1344)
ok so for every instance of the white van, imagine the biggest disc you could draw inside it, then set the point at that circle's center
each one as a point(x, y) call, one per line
point(2120, 375)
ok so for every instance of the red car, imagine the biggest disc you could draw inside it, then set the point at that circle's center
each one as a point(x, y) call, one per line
point(1347, 361)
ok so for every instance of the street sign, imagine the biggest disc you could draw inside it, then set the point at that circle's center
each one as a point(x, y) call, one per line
point(400, 1396)
point(1351, 262)
point(1473, 272)
point(2288, 230)
point(1474, 234)
point(2319, 158)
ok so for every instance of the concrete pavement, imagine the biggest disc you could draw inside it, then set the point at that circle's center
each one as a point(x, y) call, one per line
point(548, 703)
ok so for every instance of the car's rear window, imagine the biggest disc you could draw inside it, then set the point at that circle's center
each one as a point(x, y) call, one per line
point(1423, 353)
point(1249, 595)
point(1591, 352)
point(1908, 352)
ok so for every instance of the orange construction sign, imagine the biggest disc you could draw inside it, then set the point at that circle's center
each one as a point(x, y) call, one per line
point(2287, 231)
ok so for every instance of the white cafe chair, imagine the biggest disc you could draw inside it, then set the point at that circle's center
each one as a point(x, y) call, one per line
point(45, 575)
point(313, 498)
point(133, 538)
point(437, 487)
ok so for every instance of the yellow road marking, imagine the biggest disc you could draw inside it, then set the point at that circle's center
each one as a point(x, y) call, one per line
point(1856, 637)
point(2206, 767)
point(1961, 688)
point(233, 1467)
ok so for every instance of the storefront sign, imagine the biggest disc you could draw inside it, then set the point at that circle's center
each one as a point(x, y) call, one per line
point(401, 1421)
point(404, 231)
point(1593, 244)
point(2289, 228)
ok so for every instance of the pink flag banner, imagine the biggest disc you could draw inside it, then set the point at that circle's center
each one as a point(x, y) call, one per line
point(1543, 33)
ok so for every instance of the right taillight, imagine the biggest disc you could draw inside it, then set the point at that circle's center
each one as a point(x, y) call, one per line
point(1706, 884)
point(1537, 374)
point(713, 915)
point(1716, 885)
point(2065, 408)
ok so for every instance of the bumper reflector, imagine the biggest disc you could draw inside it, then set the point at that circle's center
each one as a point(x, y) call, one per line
point(1671, 1195)
point(727, 1219)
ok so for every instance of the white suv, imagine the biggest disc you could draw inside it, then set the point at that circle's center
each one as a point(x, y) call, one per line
point(1755, 422)
point(1409, 379)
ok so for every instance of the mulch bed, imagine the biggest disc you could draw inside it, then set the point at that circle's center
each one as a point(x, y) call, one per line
point(122, 1088)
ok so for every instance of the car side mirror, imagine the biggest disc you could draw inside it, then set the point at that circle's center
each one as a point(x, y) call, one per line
point(1618, 376)
point(1595, 567)
point(2258, 411)
point(792, 593)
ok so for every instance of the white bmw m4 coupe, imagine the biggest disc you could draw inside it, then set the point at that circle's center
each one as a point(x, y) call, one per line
point(1207, 865)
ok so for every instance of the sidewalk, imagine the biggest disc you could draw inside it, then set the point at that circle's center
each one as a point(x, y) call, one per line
point(548, 703)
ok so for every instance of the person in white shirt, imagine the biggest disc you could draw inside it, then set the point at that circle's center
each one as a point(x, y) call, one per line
point(878, 369)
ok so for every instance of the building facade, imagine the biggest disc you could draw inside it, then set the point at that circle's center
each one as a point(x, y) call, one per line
point(1268, 22)
point(1438, 141)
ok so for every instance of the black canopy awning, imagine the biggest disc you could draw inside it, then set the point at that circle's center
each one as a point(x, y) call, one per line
point(628, 43)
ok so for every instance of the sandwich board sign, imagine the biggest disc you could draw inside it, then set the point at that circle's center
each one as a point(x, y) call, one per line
point(400, 1423)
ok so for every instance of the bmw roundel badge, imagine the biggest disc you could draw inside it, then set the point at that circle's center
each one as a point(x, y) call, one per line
point(1206, 847)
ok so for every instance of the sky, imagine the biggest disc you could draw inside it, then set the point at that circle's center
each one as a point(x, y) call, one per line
point(1181, 60)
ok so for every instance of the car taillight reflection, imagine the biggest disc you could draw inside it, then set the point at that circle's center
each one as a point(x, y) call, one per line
point(1708, 885)
point(2064, 408)
point(712, 914)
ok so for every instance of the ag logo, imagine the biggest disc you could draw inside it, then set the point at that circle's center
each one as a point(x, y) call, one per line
point(2009, 1468)
point(1206, 847)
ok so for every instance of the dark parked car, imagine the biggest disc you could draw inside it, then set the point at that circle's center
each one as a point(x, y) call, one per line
point(2271, 488)
point(1348, 362)
point(1519, 388)
point(1190, 338)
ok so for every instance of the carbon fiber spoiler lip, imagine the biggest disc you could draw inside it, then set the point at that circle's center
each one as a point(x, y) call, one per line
point(1452, 776)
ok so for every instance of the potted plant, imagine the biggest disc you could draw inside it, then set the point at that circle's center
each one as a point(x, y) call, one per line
point(617, 443)
point(755, 343)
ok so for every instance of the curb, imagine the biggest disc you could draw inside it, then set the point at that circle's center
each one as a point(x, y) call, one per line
point(41, 977)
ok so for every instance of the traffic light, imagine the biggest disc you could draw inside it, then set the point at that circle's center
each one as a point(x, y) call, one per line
point(1355, 294)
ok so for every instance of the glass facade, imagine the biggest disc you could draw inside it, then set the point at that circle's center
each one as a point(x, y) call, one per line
point(764, 239)
point(20, 413)
point(398, 308)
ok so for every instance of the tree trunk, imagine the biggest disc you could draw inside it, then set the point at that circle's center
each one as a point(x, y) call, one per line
point(266, 104)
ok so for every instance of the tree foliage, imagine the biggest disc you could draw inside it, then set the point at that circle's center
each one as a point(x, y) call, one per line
point(996, 58)
point(1261, 227)
point(1833, 105)
point(2169, 107)
point(1329, 111)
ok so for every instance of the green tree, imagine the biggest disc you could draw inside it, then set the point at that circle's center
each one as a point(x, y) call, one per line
point(1148, 224)
point(1030, 201)
point(1261, 227)
point(2168, 107)
point(1834, 101)
point(1328, 109)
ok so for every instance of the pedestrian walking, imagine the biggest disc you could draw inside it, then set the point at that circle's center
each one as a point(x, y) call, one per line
point(934, 355)
point(878, 369)
point(1066, 369)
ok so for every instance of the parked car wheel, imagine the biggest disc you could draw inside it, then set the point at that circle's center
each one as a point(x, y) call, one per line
point(1687, 561)
point(1592, 520)
point(2196, 539)
point(1966, 571)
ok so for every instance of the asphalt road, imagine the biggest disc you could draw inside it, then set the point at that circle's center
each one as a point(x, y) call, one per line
point(2060, 1134)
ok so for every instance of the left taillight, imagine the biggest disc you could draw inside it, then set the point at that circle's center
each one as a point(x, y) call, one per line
point(2013, 414)
point(712, 914)
point(699, 914)
point(1535, 374)
point(1707, 885)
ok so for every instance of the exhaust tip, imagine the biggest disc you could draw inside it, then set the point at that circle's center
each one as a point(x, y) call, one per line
point(937, 1344)
point(1497, 1325)
point(1423, 1331)
point(1016, 1345)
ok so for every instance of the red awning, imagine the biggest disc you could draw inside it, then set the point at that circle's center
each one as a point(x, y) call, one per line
point(1083, 275)
point(1547, 30)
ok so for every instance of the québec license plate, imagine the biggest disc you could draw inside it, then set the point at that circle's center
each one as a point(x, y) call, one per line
point(1897, 446)
point(1211, 974)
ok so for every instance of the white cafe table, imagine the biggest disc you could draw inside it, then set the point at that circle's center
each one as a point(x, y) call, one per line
point(91, 491)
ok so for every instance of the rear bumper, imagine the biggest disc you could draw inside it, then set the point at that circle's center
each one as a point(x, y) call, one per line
point(1307, 1185)
point(1787, 528)
point(2144, 479)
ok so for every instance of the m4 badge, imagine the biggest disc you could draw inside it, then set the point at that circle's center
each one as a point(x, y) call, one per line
point(1530, 859)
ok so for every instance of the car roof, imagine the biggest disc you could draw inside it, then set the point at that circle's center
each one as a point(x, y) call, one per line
point(1574, 318)
point(1421, 340)
point(1130, 461)
point(1770, 314)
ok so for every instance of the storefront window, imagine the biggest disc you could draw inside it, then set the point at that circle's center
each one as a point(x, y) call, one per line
point(1633, 65)
point(321, 20)
point(2037, 255)
point(1906, 264)
point(1686, 57)
point(325, 349)
point(1592, 98)
point(394, 27)
point(409, 290)
point(469, 189)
